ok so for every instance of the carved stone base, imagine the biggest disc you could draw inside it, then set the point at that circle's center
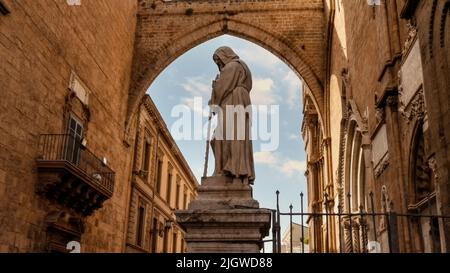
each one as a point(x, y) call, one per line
point(224, 219)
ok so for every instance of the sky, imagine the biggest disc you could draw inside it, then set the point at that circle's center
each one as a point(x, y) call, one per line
point(278, 167)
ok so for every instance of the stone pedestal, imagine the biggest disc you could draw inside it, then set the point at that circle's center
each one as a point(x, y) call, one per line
point(224, 219)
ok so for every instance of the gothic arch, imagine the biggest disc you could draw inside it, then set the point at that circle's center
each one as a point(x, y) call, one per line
point(355, 182)
point(425, 232)
point(420, 182)
point(153, 54)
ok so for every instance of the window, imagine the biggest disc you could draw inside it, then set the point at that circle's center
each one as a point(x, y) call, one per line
point(183, 250)
point(159, 176)
point(174, 242)
point(154, 235)
point(75, 136)
point(185, 198)
point(177, 199)
point(169, 187)
point(146, 156)
point(140, 226)
point(166, 241)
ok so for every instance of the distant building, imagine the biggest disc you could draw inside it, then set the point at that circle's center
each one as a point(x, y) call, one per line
point(297, 239)
point(161, 183)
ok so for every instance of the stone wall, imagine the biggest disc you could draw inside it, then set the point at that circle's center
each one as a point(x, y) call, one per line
point(388, 82)
point(292, 30)
point(41, 43)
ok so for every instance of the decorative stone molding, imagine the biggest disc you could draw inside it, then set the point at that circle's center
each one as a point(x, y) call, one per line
point(326, 142)
point(412, 34)
point(432, 163)
point(345, 83)
point(62, 227)
point(343, 137)
point(380, 115)
point(401, 89)
point(379, 170)
point(386, 200)
point(355, 114)
point(390, 97)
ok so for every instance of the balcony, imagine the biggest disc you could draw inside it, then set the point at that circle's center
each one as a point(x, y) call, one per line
point(71, 175)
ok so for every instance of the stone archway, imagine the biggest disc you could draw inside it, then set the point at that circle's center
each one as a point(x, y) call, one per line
point(293, 31)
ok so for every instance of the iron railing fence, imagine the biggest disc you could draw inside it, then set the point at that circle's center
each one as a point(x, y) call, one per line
point(351, 229)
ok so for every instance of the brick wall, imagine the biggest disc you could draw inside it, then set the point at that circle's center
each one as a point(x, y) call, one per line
point(291, 29)
point(41, 42)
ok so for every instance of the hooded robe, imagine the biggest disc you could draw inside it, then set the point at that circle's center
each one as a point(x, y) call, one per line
point(231, 142)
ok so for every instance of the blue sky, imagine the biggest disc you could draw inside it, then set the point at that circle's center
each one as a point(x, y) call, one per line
point(274, 83)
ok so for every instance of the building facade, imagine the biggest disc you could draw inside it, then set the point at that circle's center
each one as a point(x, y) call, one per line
point(63, 82)
point(299, 239)
point(161, 183)
point(382, 144)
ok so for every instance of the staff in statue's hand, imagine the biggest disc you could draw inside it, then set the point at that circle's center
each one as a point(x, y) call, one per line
point(211, 113)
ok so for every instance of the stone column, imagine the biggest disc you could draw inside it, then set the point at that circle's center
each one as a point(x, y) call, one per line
point(224, 219)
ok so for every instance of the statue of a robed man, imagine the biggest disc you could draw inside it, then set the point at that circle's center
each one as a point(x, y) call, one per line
point(225, 218)
point(230, 101)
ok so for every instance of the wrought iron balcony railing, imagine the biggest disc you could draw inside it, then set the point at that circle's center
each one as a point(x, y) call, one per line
point(72, 174)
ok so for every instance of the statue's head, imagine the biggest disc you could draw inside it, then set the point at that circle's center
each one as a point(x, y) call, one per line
point(223, 56)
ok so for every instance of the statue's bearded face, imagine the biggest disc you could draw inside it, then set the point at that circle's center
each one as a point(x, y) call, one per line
point(218, 61)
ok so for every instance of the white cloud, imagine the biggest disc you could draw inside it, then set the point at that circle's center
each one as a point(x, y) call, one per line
point(199, 92)
point(196, 107)
point(258, 56)
point(263, 92)
point(266, 158)
point(294, 88)
point(293, 167)
point(284, 165)
point(197, 86)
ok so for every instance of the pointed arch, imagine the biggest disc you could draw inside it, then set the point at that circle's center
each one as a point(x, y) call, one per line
point(154, 62)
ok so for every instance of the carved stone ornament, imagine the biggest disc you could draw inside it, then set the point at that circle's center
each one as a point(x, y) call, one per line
point(345, 83)
point(385, 199)
point(416, 109)
point(401, 90)
point(412, 34)
point(379, 115)
point(432, 163)
point(379, 170)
